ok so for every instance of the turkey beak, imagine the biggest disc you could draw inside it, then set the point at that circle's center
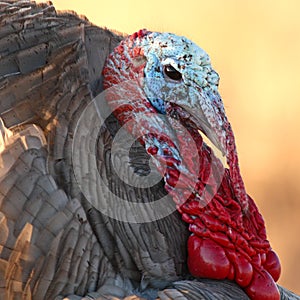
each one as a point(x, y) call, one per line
point(208, 116)
point(198, 117)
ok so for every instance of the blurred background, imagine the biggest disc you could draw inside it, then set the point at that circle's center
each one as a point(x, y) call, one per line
point(255, 47)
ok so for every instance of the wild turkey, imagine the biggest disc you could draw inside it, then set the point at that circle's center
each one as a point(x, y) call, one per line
point(53, 242)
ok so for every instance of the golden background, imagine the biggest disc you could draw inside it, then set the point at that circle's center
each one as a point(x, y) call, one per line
point(255, 47)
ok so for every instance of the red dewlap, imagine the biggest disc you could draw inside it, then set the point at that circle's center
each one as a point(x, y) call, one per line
point(227, 242)
point(207, 258)
point(262, 287)
point(210, 257)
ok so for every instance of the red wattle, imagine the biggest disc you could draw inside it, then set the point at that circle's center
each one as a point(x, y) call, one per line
point(272, 265)
point(231, 273)
point(227, 242)
point(243, 270)
point(207, 259)
point(262, 287)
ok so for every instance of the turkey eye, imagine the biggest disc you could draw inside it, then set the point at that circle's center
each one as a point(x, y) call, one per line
point(172, 73)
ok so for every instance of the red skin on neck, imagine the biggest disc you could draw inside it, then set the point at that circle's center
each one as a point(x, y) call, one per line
point(228, 241)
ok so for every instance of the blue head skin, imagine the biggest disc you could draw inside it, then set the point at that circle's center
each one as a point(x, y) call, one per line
point(176, 60)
